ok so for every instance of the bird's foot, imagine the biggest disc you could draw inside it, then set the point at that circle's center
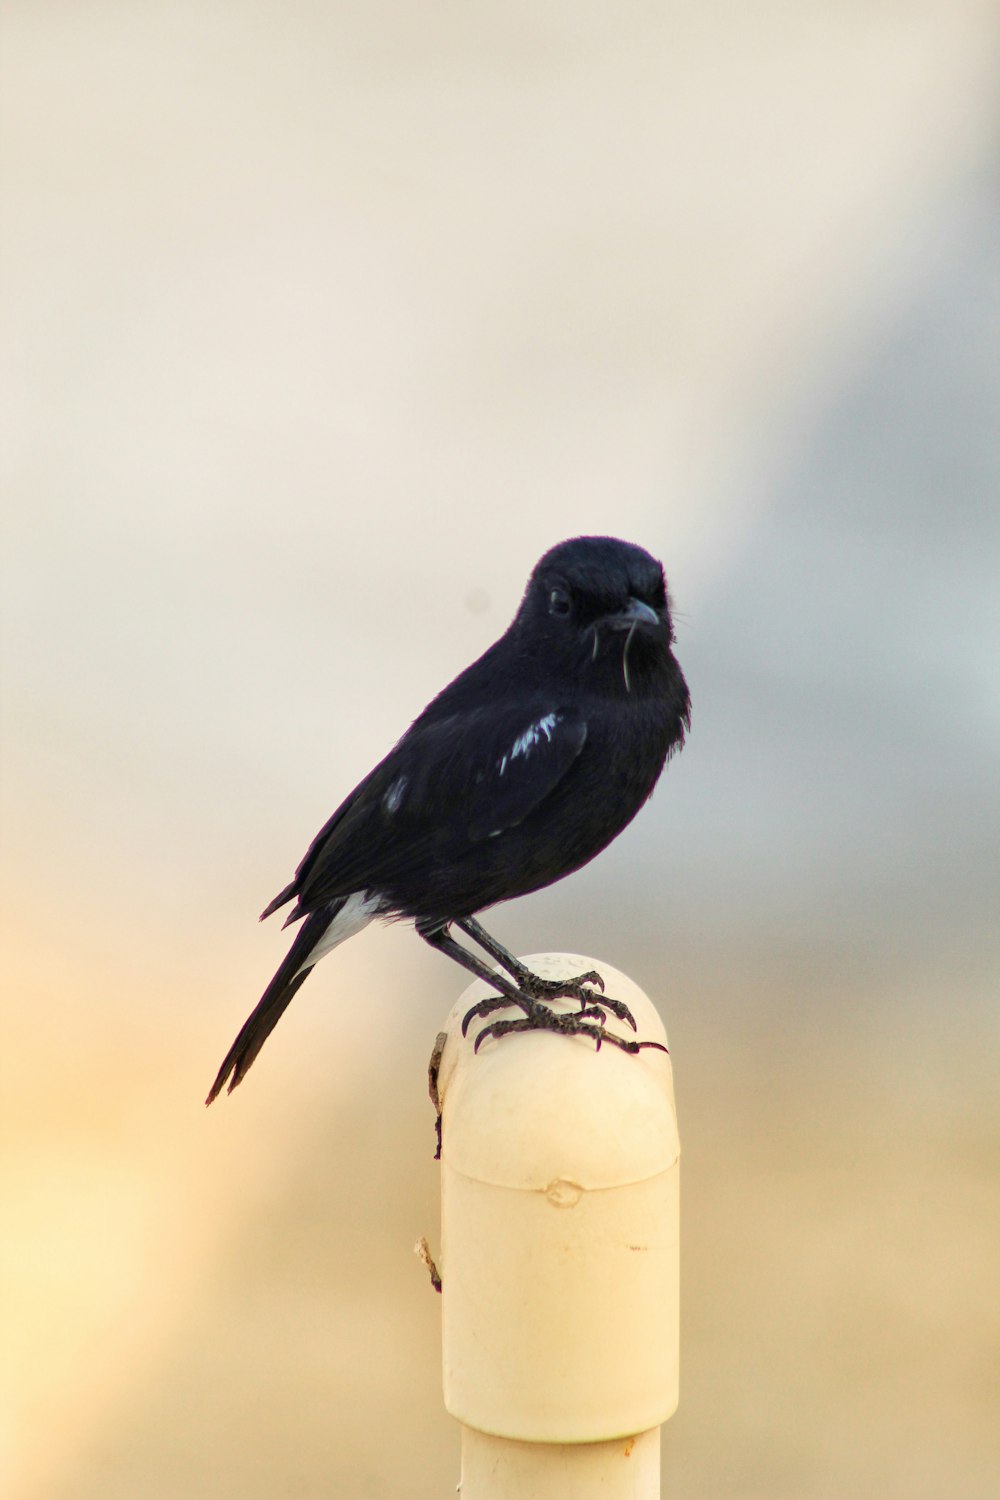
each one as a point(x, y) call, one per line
point(578, 988)
point(587, 1007)
point(489, 1005)
point(587, 1021)
point(537, 991)
point(556, 989)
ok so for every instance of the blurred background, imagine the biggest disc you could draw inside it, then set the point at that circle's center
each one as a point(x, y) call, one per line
point(320, 323)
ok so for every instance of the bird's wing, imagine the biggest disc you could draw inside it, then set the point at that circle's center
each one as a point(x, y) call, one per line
point(525, 762)
point(448, 784)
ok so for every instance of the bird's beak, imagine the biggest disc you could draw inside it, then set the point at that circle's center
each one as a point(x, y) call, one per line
point(634, 613)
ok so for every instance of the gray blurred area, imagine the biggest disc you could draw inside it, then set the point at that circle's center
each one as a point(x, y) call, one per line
point(319, 324)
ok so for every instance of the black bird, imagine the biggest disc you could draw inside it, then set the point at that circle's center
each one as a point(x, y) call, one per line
point(518, 773)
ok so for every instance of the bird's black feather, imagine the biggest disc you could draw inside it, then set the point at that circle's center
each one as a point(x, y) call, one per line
point(521, 770)
point(293, 970)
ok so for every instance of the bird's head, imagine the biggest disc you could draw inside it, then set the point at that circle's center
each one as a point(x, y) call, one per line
point(598, 607)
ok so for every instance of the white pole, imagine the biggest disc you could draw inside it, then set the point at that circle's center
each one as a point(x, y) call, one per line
point(559, 1252)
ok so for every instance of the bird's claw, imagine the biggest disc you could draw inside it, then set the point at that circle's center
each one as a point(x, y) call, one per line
point(588, 1009)
point(555, 989)
point(589, 1004)
point(537, 988)
point(577, 990)
point(619, 1009)
point(588, 1021)
point(486, 1008)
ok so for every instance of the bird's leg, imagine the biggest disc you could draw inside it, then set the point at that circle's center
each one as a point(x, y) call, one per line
point(545, 989)
point(587, 1021)
point(441, 938)
point(535, 1012)
point(530, 983)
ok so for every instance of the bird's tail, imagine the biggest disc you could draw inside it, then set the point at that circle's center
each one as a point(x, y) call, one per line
point(294, 969)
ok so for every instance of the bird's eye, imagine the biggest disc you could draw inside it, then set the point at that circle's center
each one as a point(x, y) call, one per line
point(559, 602)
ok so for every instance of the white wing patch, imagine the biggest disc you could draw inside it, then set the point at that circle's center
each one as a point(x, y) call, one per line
point(529, 739)
point(394, 795)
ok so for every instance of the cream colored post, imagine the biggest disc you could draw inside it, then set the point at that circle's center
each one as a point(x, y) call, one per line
point(559, 1253)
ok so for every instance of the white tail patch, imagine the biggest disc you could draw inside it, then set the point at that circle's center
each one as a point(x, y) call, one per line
point(356, 912)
